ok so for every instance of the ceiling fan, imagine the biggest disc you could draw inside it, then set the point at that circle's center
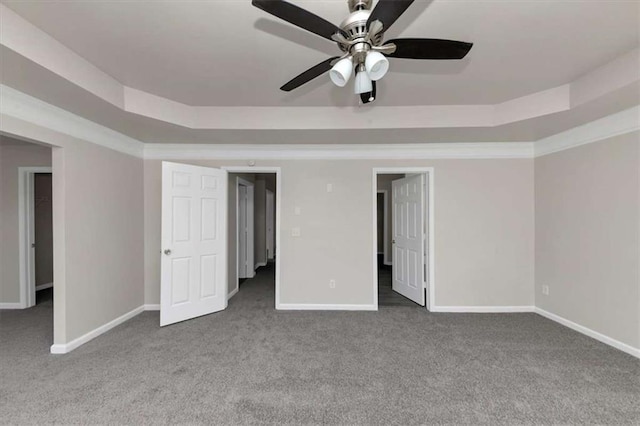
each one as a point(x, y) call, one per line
point(360, 38)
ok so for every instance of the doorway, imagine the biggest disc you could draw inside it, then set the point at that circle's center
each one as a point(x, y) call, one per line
point(199, 244)
point(403, 237)
point(252, 214)
point(26, 227)
point(383, 223)
point(43, 236)
point(271, 225)
point(35, 188)
point(245, 211)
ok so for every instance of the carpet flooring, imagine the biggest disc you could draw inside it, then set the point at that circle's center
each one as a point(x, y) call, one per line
point(253, 365)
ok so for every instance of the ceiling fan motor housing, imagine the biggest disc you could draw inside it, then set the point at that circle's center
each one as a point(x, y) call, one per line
point(360, 37)
point(356, 28)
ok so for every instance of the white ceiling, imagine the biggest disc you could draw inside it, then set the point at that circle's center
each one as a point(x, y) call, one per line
point(228, 53)
point(537, 68)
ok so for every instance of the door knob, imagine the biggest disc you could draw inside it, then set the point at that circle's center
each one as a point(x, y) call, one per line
point(167, 252)
point(393, 241)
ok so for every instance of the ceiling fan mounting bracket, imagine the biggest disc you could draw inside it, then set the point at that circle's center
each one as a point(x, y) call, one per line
point(355, 5)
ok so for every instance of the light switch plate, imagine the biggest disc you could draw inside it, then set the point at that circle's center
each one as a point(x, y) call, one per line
point(329, 187)
point(297, 211)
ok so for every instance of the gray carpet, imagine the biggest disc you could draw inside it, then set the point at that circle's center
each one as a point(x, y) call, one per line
point(254, 365)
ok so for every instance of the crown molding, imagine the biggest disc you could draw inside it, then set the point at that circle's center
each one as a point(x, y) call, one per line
point(27, 108)
point(477, 150)
point(32, 43)
point(620, 123)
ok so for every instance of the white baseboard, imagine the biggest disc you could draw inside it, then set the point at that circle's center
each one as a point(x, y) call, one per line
point(388, 263)
point(151, 307)
point(44, 286)
point(233, 293)
point(68, 347)
point(17, 305)
point(483, 309)
point(320, 307)
point(260, 264)
point(591, 333)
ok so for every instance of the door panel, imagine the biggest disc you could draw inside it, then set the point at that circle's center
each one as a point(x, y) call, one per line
point(180, 273)
point(408, 237)
point(208, 265)
point(209, 208)
point(194, 246)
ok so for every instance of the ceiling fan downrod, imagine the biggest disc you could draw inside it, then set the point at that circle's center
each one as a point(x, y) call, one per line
point(361, 50)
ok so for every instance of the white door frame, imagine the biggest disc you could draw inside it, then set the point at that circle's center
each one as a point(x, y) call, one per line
point(249, 264)
point(26, 228)
point(278, 172)
point(430, 212)
point(385, 226)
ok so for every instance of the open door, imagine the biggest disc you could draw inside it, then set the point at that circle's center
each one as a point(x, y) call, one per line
point(194, 242)
point(408, 237)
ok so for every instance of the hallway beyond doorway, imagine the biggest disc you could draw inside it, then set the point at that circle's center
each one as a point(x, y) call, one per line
point(386, 295)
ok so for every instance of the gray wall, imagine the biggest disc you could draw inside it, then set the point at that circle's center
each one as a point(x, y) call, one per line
point(14, 154)
point(587, 236)
point(98, 222)
point(484, 230)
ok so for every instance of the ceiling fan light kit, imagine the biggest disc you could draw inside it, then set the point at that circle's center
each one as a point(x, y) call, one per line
point(377, 65)
point(363, 83)
point(360, 37)
point(341, 72)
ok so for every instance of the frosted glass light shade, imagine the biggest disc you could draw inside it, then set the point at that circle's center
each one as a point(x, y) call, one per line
point(377, 65)
point(341, 72)
point(363, 83)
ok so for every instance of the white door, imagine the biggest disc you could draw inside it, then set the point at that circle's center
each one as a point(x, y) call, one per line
point(271, 212)
point(408, 237)
point(194, 242)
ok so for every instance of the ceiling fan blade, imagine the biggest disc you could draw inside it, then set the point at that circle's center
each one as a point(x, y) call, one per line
point(429, 48)
point(299, 17)
point(388, 11)
point(309, 75)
